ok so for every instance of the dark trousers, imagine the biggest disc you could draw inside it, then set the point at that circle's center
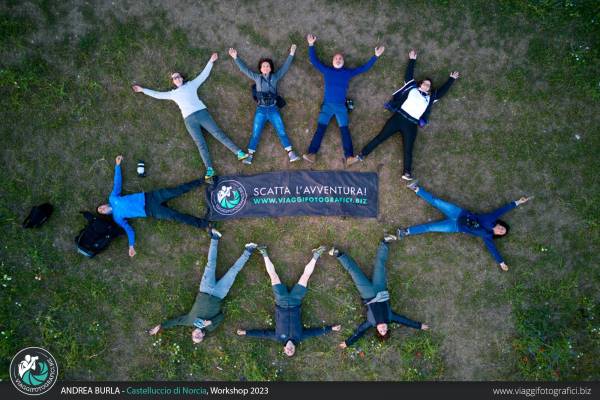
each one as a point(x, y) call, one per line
point(155, 204)
point(397, 123)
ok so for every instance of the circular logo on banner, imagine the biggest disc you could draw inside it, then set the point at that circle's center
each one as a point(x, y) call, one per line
point(229, 197)
point(33, 371)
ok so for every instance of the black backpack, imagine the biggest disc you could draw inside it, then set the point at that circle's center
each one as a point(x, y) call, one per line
point(38, 215)
point(97, 234)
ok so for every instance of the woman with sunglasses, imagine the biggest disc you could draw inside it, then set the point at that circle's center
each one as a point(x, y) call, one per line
point(195, 115)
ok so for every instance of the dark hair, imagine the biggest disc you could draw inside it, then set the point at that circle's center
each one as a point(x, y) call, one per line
point(383, 337)
point(505, 225)
point(423, 80)
point(176, 72)
point(267, 60)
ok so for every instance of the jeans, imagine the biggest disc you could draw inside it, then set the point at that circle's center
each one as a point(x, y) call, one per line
point(220, 288)
point(368, 288)
point(155, 204)
point(288, 299)
point(328, 110)
point(449, 225)
point(397, 123)
point(202, 119)
point(271, 114)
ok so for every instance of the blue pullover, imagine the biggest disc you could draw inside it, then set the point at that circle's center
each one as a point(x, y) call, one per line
point(482, 225)
point(130, 206)
point(337, 80)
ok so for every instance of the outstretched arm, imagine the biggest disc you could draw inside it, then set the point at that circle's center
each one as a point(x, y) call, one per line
point(199, 80)
point(312, 332)
point(214, 323)
point(181, 320)
point(441, 91)
point(365, 67)
point(409, 75)
point(358, 333)
point(401, 319)
point(288, 62)
point(117, 180)
point(153, 93)
point(242, 65)
point(489, 243)
point(494, 215)
point(258, 333)
point(312, 54)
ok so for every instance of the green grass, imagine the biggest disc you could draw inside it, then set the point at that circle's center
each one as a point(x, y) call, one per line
point(505, 129)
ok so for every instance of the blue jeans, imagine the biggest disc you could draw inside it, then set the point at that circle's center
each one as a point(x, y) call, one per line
point(368, 288)
point(220, 288)
point(449, 225)
point(156, 204)
point(288, 298)
point(202, 119)
point(328, 110)
point(271, 114)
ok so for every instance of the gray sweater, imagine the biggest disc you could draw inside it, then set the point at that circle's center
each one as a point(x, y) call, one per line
point(265, 85)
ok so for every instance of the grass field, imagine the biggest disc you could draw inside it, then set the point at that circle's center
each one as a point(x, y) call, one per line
point(523, 119)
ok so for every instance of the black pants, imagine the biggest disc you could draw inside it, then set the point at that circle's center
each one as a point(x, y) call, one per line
point(155, 204)
point(397, 123)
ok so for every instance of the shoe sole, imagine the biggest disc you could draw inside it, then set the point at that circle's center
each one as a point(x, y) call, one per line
point(308, 159)
point(407, 178)
point(295, 159)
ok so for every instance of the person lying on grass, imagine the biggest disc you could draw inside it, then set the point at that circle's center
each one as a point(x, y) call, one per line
point(150, 204)
point(195, 115)
point(288, 321)
point(411, 105)
point(337, 78)
point(487, 226)
point(267, 108)
point(206, 314)
point(374, 295)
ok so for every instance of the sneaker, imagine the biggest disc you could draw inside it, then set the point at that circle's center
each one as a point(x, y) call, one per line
point(209, 174)
point(318, 251)
point(250, 246)
point(407, 176)
point(311, 158)
point(262, 249)
point(414, 185)
point(215, 234)
point(402, 233)
point(241, 155)
point(293, 156)
point(353, 160)
point(334, 252)
point(389, 238)
point(248, 160)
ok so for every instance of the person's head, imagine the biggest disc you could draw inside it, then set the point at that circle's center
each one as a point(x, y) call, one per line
point(177, 79)
point(338, 60)
point(425, 85)
point(104, 209)
point(383, 331)
point(197, 335)
point(501, 229)
point(289, 349)
point(265, 66)
point(27, 357)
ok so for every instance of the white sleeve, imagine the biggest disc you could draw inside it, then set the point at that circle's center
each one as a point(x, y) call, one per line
point(199, 80)
point(157, 95)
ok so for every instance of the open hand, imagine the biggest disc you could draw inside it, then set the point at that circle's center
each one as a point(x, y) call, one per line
point(311, 39)
point(241, 332)
point(379, 50)
point(424, 327)
point(136, 88)
point(454, 74)
point(118, 159)
point(523, 200)
point(214, 57)
point(336, 328)
point(412, 54)
point(293, 50)
point(132, 252)
point(342, 345)
point(503, 266)
point(233, 53)
point(154, 330)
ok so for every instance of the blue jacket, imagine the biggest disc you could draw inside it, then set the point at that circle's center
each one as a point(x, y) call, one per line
point(400, 95)
point(288, 326)
point(378, 313)
point(337, 80)
point(482, 225)
point(130, 206)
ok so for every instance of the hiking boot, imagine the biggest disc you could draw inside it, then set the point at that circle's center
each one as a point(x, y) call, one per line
point(241, 155)
point(318, 251)
point(407, 176)
point(310, 157)
point(250, 246)
point(215, 234)
point(387, 238)
point(262, 249)
point(414, 185)
point(334, 252)
point(293, 156)
point(248, 159)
